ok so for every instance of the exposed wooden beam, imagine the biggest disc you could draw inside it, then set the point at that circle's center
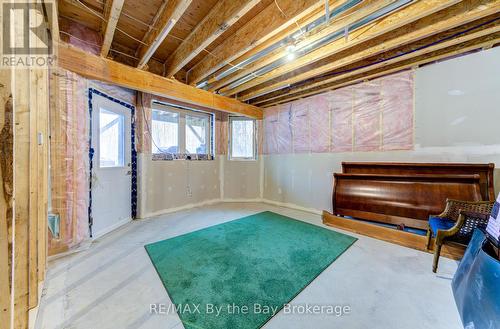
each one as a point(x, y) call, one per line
point(439, 22)
point(224, 14)
point(169, 16)
point(338, 23)
point(315, 14)
point(103, 69)
point(365, 66)
point(390, 23)
point(263, 26)
point(378, 71)
point(111, 21)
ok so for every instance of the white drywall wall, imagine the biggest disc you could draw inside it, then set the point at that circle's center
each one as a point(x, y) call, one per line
point(241, 179)
point(164, 186)
point(167, 185)
point(457, 119)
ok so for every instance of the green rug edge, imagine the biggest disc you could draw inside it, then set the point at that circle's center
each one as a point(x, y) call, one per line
point(354, 239)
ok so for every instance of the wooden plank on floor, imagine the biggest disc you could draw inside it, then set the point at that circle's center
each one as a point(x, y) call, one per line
point(402, 238)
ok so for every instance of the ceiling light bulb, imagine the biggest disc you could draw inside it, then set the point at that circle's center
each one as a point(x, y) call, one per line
point(290, 48)
point(290, 56)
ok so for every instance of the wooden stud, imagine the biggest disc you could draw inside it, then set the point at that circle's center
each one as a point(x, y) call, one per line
point(172, 12)
point(112, 21)
point(6, 190)
point(95, 67)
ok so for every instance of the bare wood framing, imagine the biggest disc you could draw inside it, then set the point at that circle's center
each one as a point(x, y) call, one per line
point(263, 26)
point(21, 196)
point(6, 190)
point(365, 9)
point(112, 20)
point(431, 25)
point(95, 67)
point(224, 14)
point(373, 30)
point(172, 12)
point(376, 72)
point(315, 14)
point(342, 63)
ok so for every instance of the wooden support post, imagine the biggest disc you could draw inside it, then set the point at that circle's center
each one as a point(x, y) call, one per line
point(6, 190)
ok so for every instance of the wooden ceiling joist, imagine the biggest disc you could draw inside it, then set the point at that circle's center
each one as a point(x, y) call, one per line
point(393, 22)
point(260, 28)
point(381, 70)
point(350, 16)
point(111, 20)
point(106, 70)
point(215, 84)
point(223, 15)
point(454, 16)
point(171, 13)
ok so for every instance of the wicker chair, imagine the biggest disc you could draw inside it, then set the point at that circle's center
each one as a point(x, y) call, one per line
point(456, 224)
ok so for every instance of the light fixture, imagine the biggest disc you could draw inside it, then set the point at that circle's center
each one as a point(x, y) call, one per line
point(455, 92)
point(290, 56)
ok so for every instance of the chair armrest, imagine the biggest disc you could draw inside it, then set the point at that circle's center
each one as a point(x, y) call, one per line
point(467, 218)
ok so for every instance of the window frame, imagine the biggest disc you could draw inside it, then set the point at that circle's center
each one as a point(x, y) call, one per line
point(230, 144)
point(182, 127)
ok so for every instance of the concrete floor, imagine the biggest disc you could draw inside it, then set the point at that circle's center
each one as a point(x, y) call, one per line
point(112, 284)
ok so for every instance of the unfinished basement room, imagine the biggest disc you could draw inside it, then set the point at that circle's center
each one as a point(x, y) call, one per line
point(246, 164)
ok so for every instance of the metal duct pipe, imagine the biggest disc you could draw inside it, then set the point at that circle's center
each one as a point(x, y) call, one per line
point(323, 41)
point(283, 42)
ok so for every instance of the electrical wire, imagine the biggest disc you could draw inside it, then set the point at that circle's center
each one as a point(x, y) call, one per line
point(149, 130)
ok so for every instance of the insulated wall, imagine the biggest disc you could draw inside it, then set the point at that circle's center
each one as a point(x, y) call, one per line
point(370, 116)
point(456, 119)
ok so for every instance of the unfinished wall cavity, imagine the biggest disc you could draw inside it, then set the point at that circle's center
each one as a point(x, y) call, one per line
point(80, 36)
point(370, 116)
point(69, 158)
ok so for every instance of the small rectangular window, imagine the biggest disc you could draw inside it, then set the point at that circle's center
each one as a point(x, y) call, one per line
point(242, 138)
point(111, 139)
point(196, 134)
point(178, 133)
point(165, 132)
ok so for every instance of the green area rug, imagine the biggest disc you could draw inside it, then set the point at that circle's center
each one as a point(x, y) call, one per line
point(240, 273)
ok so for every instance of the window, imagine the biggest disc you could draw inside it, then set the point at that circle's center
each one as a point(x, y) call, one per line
point(242, 138)
point(177, 132)
point(111, 139)
point(165, 131)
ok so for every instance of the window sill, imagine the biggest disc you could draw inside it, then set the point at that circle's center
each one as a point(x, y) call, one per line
point(171, 157)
